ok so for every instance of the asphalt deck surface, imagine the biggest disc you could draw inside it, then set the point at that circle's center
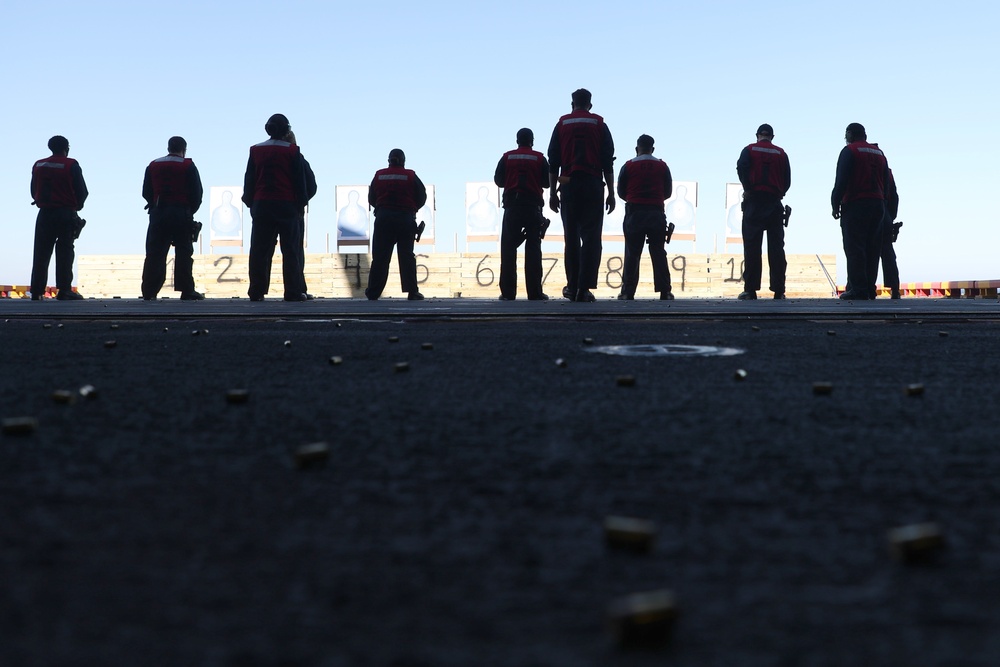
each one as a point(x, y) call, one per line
point(458, 519)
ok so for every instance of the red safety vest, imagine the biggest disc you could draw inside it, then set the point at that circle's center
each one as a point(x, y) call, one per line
point(53, 180)
point(524, 173)
point(580, 142)
point(644, 182)
point(868, 175)
point(168, 176)
point(394, 187)
point(274, 161)
point(768, 168)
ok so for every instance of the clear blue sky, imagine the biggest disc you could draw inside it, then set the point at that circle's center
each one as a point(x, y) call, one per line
point(451, 83)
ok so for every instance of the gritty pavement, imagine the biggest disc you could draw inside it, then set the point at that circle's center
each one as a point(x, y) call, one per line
point(458, 517)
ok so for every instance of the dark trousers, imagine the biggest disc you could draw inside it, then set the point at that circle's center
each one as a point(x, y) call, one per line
point(168, 226)
point(644, 223)
point(861, 225)
point(54, 227)
point(890, 270)
point(521, 223)
point(582, 208)
point(760, 216)
point(273, 221)
point(392, 229)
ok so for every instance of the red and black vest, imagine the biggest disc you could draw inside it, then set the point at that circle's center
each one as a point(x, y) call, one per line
point(274, 162)
point(168, 177)
point(768, 168)
point(645, 180)
point(53, 183)
point(580, 135)
point(395, 187)
point(525, 174)
point(868, 174)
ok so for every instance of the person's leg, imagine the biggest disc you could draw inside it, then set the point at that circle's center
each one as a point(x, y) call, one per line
point(777, 264)
point(753, 239)
point(634, 240)
point(154, 267)
point(263, 236)
point(180, 227)
point(45, 238)
point(406, 230)
point(533, 255)
point(383, 240)
point(510, 238)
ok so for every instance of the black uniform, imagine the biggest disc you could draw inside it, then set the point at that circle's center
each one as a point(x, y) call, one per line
point(765, 174)
point(396, 194)
point(522, 173)
point(859, 197)
point(172, 189)
point(59, 191)
point(645, 183)
point(890, 270)
point(275, 189)
point(581, 150)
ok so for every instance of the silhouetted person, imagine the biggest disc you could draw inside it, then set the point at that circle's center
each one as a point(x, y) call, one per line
point(858, 201)
point(275, 188)
point(396, 193)
point(644, 182)
point(59, 191)
point(173, 193)
point(581, 150)
point(766, 175)
point(522, 173)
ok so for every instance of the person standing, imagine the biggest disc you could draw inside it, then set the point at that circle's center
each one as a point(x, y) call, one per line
point(858, 201)
point(766, 175)
point(275, 190)
point(890, 269)
point(310, 193)
point(59, 191)
point(644, 182)
point(396, 194)
point(172, 189)
point(522, 173)
point(581, 150)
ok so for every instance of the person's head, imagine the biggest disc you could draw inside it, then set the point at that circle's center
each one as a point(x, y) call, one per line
point(397, 158)
point(855, 132)
point(59, 145)
point(277, 126)
point(644, 145)
point(177, 146)
point(525, 138)
point(581, 99)
point(289, 137)
point(765, 133)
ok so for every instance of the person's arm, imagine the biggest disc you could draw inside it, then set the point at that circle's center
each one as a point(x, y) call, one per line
point(622, 182)
point(668, 183)
point(420, 192)
point(555, 161)
point(608, 166)
point(195, 191)
point(788, 176)
point(544, 180)
point(372, 198)
point(845, 163)
point(743, 169)
point(892, 198)
point(79, 186)
point(500, 175)
point(249, 182)
point(311, 186)
point(147, 189)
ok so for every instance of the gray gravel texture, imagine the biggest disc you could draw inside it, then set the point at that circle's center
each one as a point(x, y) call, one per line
point(458, 520)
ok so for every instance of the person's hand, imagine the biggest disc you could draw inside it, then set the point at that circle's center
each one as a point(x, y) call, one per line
point(554, 202)
point(836, 213)
point(610, 203)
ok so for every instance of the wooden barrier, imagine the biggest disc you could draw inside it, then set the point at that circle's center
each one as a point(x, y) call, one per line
point(474, 275)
